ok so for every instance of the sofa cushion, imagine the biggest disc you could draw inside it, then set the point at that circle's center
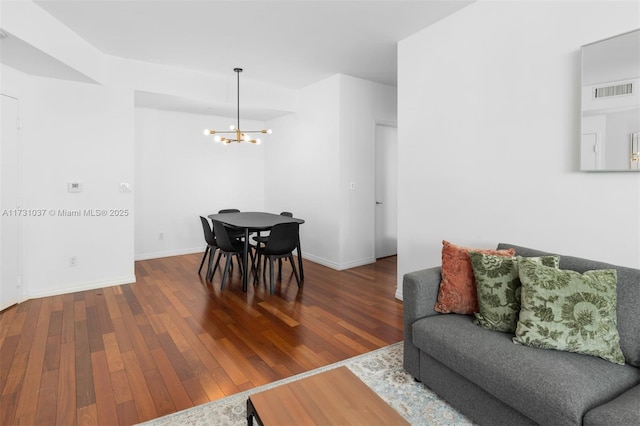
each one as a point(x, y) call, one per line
point(549, 387)
point(569, 311)
point(457, 292)
point(628, 299)
point(498, 288)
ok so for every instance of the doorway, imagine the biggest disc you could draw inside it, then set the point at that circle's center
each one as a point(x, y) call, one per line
point(9, 195)
point(386, 186)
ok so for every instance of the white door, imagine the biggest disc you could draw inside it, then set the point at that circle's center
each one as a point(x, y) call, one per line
point(589, 151)
point(9, 285)
point(386, 181)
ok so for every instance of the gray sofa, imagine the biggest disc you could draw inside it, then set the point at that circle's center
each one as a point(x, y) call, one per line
point(496, 382)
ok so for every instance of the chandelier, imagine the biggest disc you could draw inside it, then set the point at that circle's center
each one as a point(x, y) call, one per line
point(238, 135)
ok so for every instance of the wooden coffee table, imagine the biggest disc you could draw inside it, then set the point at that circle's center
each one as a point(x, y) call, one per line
point(334, 397)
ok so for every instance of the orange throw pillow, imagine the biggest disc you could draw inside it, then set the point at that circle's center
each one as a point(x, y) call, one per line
point(457, 293)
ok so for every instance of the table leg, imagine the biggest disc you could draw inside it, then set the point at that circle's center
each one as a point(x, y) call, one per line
point(245, 260)
point(251, 411)
point(300, 260)
point(257, 260)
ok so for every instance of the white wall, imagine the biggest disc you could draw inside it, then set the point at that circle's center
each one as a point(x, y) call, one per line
point(74, 132)
point(362, 105)
point(488, 115)
point(302, 169)
point(181, 174)
point(316, 153)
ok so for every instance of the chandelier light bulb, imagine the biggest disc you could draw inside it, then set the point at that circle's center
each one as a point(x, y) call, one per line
point(258, 141)
point(269, 131)
point(232, 127)
point(206, 132)
point(217, 139)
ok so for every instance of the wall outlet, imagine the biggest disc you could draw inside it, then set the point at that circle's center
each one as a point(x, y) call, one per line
point(73, 261)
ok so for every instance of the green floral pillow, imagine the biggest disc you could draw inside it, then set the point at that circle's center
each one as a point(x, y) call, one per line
point(498, 286)
point(569, 311)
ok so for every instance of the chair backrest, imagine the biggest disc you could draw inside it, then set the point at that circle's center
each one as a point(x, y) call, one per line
point(209, 236)
point(229, 211)
point(283, 238)
point(223, 240)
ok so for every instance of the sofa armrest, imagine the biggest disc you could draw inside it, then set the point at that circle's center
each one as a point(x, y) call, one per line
point(419, 296)
point(623, 410)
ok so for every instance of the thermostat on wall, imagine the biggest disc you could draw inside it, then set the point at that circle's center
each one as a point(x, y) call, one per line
point(74, 187)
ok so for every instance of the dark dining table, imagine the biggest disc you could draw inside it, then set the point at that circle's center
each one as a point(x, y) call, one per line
point(255, 222)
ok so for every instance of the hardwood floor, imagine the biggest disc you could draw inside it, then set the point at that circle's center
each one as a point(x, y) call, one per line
point(130, 353)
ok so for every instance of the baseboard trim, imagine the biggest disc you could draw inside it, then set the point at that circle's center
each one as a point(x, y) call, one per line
point(310, 257)
point(356, 263)
point(89, 285)
point(159, 254)
point(399, 293)
point(338, 266)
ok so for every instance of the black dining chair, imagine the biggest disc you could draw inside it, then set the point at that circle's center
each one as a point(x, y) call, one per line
point(261, 240)
point(236, 233)
point(283, 239)
point(233, 233)
point(211, 248)
point(228, 247)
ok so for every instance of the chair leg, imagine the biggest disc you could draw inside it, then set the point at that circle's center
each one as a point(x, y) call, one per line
point(215, 266)
point(203, 258)
point(212, 254)
point(264, 267)
point(256, 268)
point(239, 260)
point(259, 245)
point(226, 270)
point(253, 262)
point(295, 272)
point(271, 287)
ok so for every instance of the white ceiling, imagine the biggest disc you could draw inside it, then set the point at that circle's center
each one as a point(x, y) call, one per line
point(290, 43)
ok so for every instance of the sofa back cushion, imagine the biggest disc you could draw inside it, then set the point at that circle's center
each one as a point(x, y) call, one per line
point(628, 296)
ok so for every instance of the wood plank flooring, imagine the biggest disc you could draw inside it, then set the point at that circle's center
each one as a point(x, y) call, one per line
point(126, 354)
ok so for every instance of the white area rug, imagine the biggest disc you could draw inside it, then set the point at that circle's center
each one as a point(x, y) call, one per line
point(381, 370)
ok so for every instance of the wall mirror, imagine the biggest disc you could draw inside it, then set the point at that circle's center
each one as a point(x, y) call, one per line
point(610, 139)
